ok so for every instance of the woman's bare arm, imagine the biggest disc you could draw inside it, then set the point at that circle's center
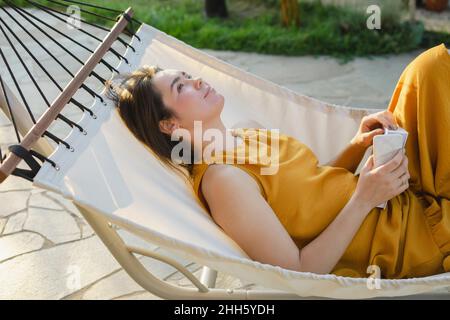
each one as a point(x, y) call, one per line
point(240, 210)
point(349, 158)
point(323, 253)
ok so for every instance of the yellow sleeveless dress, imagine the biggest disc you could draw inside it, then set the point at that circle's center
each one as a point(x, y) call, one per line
point(411, 236)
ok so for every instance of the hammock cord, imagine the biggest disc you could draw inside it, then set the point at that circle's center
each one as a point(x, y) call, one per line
point(7, 31)
point(100, 7)
point(69, 122)
point(42, 68)
point(127, 45)
point(27, 156)
point(57, 140)
point(10, 112)
point(22, 12)
point(27, 174)
point(89, 90)
point(16, 84)
point(50, 12)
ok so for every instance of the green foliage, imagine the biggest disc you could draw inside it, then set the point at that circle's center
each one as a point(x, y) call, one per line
point(433, 38)
point(17, 2)
point(324, 30)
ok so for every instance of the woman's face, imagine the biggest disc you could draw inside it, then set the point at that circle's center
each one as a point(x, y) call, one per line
point(190, 99)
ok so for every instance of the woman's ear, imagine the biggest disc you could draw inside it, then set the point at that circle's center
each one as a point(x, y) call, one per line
point(167, 126)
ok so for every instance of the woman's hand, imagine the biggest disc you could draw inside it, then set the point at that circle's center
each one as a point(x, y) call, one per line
point(377, 185)
point(372, 125)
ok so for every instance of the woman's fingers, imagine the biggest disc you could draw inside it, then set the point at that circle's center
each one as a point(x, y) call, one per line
point(392, 164)
point(401, 171)
point(389, 120)
point(371, 120)
point(402, 184)
point(390, 116)
point(400, 177)
point(385, 118)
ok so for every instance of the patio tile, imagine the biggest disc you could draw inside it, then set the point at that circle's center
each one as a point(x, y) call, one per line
point(68, 206)
point(65, 203)
point(2, 224)
point(42, 201)
point(14, 245)
point(140, 295)
point(117, 284)
point(4, 121)
point(120, 283)
point(8, 135)
point(12, 202)
point(356, 83)
point(86, 230)
point(178, 278)
point(55, 272)
point(56, 226)
point(15, 223)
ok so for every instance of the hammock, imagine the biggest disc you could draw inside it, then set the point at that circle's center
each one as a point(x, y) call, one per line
point(113, 179)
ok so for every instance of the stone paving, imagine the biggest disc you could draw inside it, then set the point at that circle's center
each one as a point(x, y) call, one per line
point(45, 242)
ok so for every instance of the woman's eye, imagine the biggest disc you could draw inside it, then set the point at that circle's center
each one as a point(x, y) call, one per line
point(180, 85)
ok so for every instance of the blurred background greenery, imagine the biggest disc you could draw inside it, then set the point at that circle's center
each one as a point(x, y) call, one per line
point(325, 27)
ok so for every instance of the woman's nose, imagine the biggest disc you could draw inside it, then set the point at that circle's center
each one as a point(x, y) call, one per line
point(198, 83)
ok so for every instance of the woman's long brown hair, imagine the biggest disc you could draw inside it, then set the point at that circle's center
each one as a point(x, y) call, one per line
point(141, 107)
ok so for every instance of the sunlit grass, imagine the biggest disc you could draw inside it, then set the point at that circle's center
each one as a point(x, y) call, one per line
point(254, 26)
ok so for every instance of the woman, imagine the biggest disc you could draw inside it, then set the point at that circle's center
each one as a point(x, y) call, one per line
point(320, 219)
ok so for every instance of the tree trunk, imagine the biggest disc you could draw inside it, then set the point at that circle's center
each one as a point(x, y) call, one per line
point(290, 13)
point(216, 8)
point(412, 10)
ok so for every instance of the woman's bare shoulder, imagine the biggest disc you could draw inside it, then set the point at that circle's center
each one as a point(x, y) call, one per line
point(220, 176)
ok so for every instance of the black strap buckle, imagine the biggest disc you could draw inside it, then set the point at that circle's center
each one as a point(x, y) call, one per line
point(26, 155)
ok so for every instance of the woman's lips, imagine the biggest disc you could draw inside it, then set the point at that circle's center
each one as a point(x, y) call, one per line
point(207, 92)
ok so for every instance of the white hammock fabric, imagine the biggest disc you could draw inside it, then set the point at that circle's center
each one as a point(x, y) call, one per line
point(113, 174)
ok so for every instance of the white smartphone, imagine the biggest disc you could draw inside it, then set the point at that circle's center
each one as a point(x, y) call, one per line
point(385, 147)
